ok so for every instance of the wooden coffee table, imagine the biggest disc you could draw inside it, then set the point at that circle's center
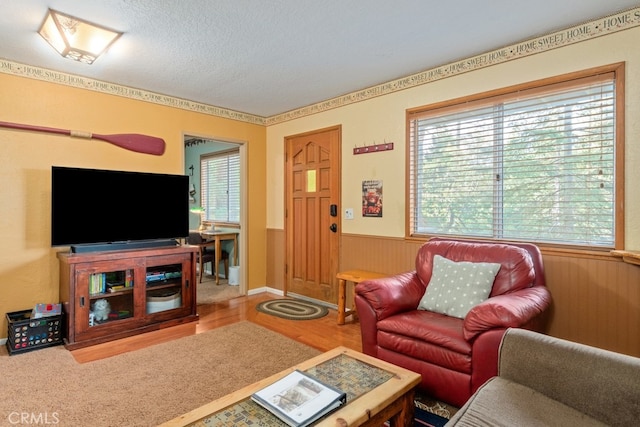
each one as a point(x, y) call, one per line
point(377, 391)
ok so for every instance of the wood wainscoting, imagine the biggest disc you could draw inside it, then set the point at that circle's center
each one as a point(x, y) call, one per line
point(596, 299)
point(275, 258)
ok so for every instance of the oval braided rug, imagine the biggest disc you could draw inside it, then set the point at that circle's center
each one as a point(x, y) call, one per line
point(293, 309)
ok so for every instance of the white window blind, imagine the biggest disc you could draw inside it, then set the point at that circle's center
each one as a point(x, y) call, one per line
point(536, 165)
point(220, 186)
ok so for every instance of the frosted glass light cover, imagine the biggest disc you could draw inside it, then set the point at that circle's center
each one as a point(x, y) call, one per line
point(76, 39)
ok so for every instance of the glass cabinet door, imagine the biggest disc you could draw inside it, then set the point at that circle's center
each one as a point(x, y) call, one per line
point(111, 296)
point(164, 287)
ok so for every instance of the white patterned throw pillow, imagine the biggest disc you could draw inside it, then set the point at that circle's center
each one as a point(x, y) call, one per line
point(455, 287)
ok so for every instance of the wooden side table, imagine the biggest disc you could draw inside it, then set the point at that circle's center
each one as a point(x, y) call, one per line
point(355, 276)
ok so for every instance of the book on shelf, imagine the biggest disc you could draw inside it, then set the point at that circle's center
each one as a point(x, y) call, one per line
point(97, 283)
point(117, 287)
point(299, 399)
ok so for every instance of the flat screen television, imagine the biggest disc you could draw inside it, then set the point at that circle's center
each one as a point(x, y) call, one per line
point(93, 209)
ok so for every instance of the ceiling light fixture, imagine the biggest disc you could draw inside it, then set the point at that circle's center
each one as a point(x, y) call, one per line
point(76, 39)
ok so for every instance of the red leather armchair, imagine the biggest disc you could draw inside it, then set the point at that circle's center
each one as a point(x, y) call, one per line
point(454, 356)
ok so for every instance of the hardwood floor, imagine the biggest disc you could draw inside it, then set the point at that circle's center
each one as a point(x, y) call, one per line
point(322, 334)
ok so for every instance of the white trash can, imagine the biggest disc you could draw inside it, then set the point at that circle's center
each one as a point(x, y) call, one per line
point(234, 275)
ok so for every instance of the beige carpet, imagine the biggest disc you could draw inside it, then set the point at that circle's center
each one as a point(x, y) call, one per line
point(144, 387)
point(208, 292)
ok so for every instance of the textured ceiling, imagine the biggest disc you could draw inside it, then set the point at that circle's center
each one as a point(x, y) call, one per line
point(266, 57)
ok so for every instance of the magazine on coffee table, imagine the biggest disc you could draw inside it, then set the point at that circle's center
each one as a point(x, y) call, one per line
point(299, 399)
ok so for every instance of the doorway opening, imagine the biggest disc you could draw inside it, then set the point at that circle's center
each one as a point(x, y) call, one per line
point(217, 200)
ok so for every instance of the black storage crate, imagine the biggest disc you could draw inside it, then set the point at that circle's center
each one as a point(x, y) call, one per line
point(26, 334)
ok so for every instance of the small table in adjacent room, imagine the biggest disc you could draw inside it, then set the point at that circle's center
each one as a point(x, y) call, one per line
point(355, 276)
point(377, 391)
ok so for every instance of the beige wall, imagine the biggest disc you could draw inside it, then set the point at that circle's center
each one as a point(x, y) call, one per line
point(383, 118)
point(28, 264)
point(584, 294)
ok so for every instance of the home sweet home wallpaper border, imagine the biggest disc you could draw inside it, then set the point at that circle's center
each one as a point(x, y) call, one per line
point(597, 28)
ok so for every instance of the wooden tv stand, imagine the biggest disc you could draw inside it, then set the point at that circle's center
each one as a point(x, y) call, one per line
point(146, 290)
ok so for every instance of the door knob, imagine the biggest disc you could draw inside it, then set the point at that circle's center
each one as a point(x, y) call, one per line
point(333, 227)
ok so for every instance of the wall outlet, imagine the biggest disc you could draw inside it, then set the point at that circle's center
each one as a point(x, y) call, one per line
point(348, 213)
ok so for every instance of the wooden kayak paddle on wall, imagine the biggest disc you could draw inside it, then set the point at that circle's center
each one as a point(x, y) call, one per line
point(129, 141)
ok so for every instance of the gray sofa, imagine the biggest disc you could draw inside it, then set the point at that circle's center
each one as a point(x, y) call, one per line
point(546, 381)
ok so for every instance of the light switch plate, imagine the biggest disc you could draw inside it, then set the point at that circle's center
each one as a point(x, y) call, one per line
point(348, 213)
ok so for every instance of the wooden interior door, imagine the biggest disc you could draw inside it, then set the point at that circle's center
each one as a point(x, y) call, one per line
point(312, 233)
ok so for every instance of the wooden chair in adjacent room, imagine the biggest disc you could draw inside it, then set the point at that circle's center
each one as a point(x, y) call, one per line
point(207, 254)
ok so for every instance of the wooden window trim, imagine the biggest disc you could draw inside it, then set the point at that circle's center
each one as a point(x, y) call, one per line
point(618, 70)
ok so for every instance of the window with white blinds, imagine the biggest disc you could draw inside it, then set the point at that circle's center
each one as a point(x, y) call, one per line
point(220, 187)
point(536, 165)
